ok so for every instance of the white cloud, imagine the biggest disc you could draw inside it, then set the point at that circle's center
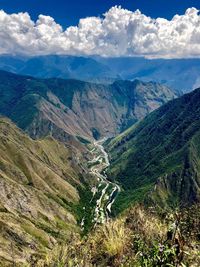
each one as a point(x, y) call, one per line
point(119, 33)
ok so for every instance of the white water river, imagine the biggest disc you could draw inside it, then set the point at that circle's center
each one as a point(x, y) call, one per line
point(107, 190)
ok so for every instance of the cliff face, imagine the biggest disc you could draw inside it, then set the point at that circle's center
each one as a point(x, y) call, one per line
point(66, 108)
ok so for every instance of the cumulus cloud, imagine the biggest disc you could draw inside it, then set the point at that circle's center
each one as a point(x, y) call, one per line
point(119, 32)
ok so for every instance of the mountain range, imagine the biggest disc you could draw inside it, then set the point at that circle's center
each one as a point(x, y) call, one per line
point(72, 108)
point(180, 74)
point(51, 156)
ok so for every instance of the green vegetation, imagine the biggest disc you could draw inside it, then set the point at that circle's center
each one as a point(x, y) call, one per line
point(126, 199)
point(138, 238)
point(95, 133)
point(69, 108)
point(83, 140)
point(38, 197)
point(45, 187)
point(84, 209)
point(158, 159)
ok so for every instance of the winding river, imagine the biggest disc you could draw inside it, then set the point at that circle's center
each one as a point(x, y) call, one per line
point(107, 191)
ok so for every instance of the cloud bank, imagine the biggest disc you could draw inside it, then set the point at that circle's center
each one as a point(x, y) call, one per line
point(119, 32)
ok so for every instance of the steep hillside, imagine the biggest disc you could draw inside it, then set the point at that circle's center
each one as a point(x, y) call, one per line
point(138, 238)
point(66, 108)
point(159, 158)
point(39, 197)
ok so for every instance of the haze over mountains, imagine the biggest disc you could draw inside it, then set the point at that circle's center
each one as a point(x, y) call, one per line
point(180, 74)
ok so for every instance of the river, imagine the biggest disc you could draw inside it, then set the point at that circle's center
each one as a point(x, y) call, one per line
point(106, 189)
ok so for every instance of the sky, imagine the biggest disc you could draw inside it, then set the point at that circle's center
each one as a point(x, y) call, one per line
point(150, 28)
point(68, 13)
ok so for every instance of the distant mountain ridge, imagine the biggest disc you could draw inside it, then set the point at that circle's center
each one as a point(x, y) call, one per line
point(66, 67)
point(180, 74)
point(66, 109)
point(183, 75)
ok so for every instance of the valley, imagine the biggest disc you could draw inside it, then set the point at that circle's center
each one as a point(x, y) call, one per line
point(157, 159)
point(107, 190)
point(104, 192)
point(100, 133)
point(83, 155)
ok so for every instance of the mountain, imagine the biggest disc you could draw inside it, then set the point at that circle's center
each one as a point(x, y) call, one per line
point(68, 109)
point(158, 159)
point(52, 66)
point(40, 185)
point(52, 180)
point(182, 75)
point(41, 197)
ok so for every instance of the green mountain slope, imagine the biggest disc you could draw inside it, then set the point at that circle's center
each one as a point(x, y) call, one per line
point(68, 108)
point(159, 158)
point(38, 193)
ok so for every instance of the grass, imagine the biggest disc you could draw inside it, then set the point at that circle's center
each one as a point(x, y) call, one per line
point(126, 199)
point(115, 238)
point(39, 199)
point(140, 238)
point(37, 233)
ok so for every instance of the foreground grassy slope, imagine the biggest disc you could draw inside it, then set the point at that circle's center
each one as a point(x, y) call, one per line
point(139, 238)
point(38, 193)
point(159, 158)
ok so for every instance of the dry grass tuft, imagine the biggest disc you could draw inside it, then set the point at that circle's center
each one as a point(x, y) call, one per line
point(146, 224)
point(115, 238)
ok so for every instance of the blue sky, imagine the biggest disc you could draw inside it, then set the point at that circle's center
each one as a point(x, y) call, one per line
point(68, 13)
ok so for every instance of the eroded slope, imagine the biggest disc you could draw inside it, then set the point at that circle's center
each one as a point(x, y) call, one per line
point(38, 192)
